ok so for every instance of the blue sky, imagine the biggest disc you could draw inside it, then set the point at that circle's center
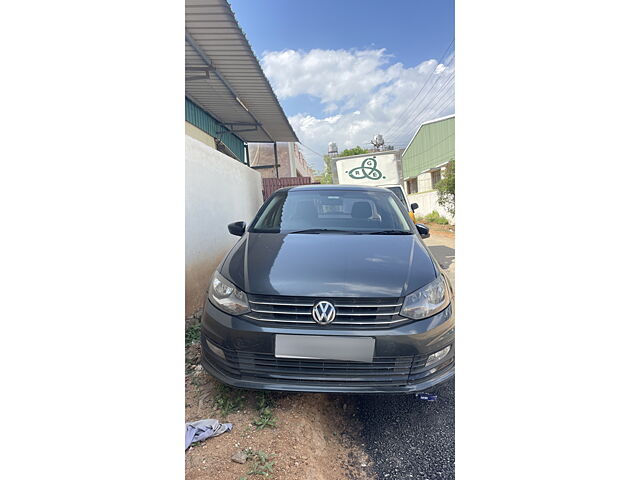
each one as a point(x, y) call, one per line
point(345, 70)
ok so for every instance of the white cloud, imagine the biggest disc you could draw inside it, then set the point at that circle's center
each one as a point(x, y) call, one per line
point(332, 107)
point(330, 75)
point(363, 94)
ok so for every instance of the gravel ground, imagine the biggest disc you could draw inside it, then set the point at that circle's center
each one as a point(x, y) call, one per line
point(408, 438)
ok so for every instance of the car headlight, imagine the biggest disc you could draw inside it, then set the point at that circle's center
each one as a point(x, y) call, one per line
point(427, 300)
point(227, 297)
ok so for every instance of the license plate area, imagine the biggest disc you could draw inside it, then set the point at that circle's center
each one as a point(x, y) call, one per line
point(325, 347)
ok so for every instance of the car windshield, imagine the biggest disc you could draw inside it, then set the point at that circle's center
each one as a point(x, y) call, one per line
point(332, 211)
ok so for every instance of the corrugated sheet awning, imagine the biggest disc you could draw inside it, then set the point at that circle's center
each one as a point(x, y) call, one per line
point(224, 77)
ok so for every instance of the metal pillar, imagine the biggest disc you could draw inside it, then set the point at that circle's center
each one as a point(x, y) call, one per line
point(246, 154)
point(275, 156)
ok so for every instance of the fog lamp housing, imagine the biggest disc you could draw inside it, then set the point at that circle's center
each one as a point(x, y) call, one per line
point(439, 355)
point(217, 350)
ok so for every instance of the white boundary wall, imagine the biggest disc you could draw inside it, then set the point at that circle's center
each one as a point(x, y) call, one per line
point(427, 203)
point(218, 190)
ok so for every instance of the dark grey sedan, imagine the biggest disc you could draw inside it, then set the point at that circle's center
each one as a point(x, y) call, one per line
point(330, 289)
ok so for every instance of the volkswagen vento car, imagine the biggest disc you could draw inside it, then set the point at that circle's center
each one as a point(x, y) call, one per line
point(330, 289)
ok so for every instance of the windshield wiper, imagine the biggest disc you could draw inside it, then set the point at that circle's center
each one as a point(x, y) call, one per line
point(386, 232)
point(323, 230)
point(351, 232)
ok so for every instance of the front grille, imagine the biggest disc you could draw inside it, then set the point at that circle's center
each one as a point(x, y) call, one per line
point(382, 371)
point(350, 312)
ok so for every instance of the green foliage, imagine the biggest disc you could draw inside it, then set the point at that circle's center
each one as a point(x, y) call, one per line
point(266, 419)
point(447, 188)
point(264, 404)
point(264, 399)
point(327, 177)
point(262, 463)
point(228, 400)
point(434, 217)
point(353, 151)
point(192, 334)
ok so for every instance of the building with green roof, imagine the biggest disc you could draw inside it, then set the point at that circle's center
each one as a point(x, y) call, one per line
point(428, 153)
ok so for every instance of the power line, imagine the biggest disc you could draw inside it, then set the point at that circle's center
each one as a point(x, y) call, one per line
point(401, 122)
point(443, 102)
point(439, 85)
point(438, 113)
point(399, 125)
point(311, 150)
point(443, 84)
point(435, 108)
point(314, 152)
point(434, 101)
point(415, 105)
point(450, 101)
point(410, 104)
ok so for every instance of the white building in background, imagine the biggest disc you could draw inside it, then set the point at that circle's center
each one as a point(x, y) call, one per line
point(229, 105)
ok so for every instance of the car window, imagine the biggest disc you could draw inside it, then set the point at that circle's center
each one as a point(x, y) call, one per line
point(399, 193)
point(394, 206)
point(357, 211)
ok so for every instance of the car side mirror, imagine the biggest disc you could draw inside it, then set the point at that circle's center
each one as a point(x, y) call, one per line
point(423, 230)
point(237, 228)
point(414, 207)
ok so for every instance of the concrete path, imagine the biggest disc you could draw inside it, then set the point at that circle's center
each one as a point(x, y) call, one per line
point(443, 248)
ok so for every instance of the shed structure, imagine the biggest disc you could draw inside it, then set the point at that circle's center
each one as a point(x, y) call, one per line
point(429, 151)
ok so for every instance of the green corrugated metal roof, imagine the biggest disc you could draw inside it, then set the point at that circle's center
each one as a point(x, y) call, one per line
point(433, 145)
point(205, 122)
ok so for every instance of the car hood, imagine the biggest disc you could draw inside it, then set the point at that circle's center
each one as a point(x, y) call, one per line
point(329, 265)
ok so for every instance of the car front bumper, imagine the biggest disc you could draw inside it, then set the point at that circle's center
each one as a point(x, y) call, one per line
point(240, 352)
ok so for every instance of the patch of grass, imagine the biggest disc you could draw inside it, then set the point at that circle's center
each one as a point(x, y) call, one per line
point(265, 399)
point(434, 217)
point(228, 400)
point(192, 334)
point(264, 405)
point(262, 463)
point(266, 419)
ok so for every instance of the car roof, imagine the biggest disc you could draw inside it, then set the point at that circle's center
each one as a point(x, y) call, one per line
point(366, 188)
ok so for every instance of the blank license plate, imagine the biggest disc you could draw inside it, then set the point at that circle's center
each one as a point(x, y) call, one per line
point(351, 349)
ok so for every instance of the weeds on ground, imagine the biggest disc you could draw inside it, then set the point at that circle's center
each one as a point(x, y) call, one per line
point(264, 405)
point(262, 463)
point(434, 217)
point(192, 334)
point(228, 400)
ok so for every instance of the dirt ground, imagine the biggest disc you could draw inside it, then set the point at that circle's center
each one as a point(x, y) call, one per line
point(448, 231)
point(315, 437)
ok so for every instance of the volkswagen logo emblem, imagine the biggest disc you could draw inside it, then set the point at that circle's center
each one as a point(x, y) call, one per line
point(323, 312)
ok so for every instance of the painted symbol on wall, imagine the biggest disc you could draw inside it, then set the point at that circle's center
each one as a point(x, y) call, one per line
point(366, 170)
